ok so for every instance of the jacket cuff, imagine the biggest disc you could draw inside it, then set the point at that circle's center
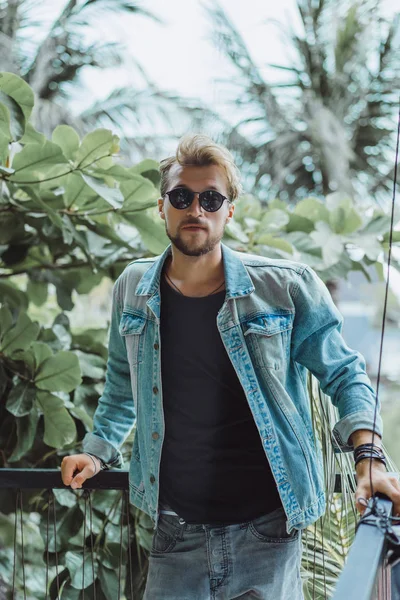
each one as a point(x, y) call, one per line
point(350, 423)
point(102, 449)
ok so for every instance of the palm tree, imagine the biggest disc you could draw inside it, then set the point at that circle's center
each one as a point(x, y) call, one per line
point(53, 66)
point(331, 126)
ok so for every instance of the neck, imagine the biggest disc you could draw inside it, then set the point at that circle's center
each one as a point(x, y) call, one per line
point(195, 271)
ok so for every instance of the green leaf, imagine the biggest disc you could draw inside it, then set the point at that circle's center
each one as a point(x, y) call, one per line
point(109, 581)
point(91, 365)
point(31, 136)
point(138, 192)
point(26, 432)
point(153, 234)
point(110, 554)
point(312, 209)
point(274, 220)
point(77, 193)
point(60, 372)
point(95, 145)
point(331, 244)
point(67, 138)
point(37, 292)
point(5, 320)
point(269, 240)
point(5, 133)
point(33, 161)
point(12, 296)
point(53, 215)
point(20, 399)
point(19, 90)
point(68, 523)
point(75, 565)
point(20, 336)
point(111, 195)
point(299, 223)
point(59, 426)
point(14, 125)
point(41, 352)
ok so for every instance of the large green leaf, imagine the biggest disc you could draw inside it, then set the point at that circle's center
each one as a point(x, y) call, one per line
point(312, 209)
point(113, 196)
point(37, 292)
point(68, 523)
point(77, 568)
point(59, 426)
point(20, 336)
point(60, 372)
point(91, 365)
point(26, 431)
point(53, 215)
point(138, 192)
point(19, 90)
point(268, 239)
point(331, 244)
point(96, 145)
point(12, 124)
point(12, 296)
point(109, 581)
point(20, 399)
point(67, 138)
point(274, 220)
point(32, 162)
point(153, 234)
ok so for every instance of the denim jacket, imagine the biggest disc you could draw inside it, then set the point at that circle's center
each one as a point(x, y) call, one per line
point(277, 321)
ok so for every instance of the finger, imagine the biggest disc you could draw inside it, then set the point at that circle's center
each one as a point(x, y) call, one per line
point(79, 479)
point(68, 467)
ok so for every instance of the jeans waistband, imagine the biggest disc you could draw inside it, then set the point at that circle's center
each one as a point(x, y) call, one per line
point(167, 510)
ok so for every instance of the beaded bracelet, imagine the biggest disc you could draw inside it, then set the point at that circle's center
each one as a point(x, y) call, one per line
point(371, 451)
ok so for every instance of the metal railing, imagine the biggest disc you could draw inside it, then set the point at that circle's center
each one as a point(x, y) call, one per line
point(371, 571)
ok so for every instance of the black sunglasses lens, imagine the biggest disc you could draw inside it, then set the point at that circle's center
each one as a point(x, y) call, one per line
point(211, 200)
point(180, 197)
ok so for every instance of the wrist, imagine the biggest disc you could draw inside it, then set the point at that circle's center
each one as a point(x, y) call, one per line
point(363, 465)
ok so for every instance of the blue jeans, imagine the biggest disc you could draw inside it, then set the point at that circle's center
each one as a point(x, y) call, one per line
point(245, 561)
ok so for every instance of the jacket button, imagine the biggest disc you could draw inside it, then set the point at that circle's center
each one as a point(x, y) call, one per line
point(155, 435)
point(156, 346)
point(152, 479)
point(155, 390)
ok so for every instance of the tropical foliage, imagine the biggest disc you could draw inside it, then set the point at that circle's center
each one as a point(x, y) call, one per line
point(53, 53)
point(330, 124)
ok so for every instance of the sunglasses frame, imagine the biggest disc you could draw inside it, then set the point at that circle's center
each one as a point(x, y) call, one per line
point(192, 194)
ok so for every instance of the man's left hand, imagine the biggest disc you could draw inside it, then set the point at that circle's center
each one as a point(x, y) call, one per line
point(382, 481)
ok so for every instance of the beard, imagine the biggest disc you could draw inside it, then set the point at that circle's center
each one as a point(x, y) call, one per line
point(197, 245)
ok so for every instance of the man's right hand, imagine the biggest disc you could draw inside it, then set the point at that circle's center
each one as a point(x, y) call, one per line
point(76, 468)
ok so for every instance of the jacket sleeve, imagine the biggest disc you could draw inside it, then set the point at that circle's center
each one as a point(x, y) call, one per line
point(115, 414)
point(318, 345)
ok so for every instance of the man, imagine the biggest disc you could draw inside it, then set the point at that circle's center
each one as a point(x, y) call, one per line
point(208, 353)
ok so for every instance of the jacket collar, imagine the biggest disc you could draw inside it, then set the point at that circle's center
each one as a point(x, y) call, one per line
point(237, 280)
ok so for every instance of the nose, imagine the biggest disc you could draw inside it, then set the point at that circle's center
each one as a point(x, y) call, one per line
point(195, 207)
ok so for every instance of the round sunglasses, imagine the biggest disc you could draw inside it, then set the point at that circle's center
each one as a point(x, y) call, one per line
point(210, 200)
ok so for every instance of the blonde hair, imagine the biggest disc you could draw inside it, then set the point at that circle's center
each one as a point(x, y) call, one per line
point(197, 149)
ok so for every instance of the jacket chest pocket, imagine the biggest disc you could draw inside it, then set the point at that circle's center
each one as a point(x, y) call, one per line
point(267, 337)
point(131, 327)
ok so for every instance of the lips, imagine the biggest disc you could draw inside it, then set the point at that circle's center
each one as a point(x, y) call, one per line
point(193, 227)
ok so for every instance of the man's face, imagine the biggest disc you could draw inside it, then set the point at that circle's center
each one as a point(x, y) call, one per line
point(197, 179)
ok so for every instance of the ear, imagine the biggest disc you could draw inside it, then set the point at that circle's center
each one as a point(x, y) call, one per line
point(160, 203)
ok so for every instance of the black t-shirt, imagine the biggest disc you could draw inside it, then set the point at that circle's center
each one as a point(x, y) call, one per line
point(213, 466)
